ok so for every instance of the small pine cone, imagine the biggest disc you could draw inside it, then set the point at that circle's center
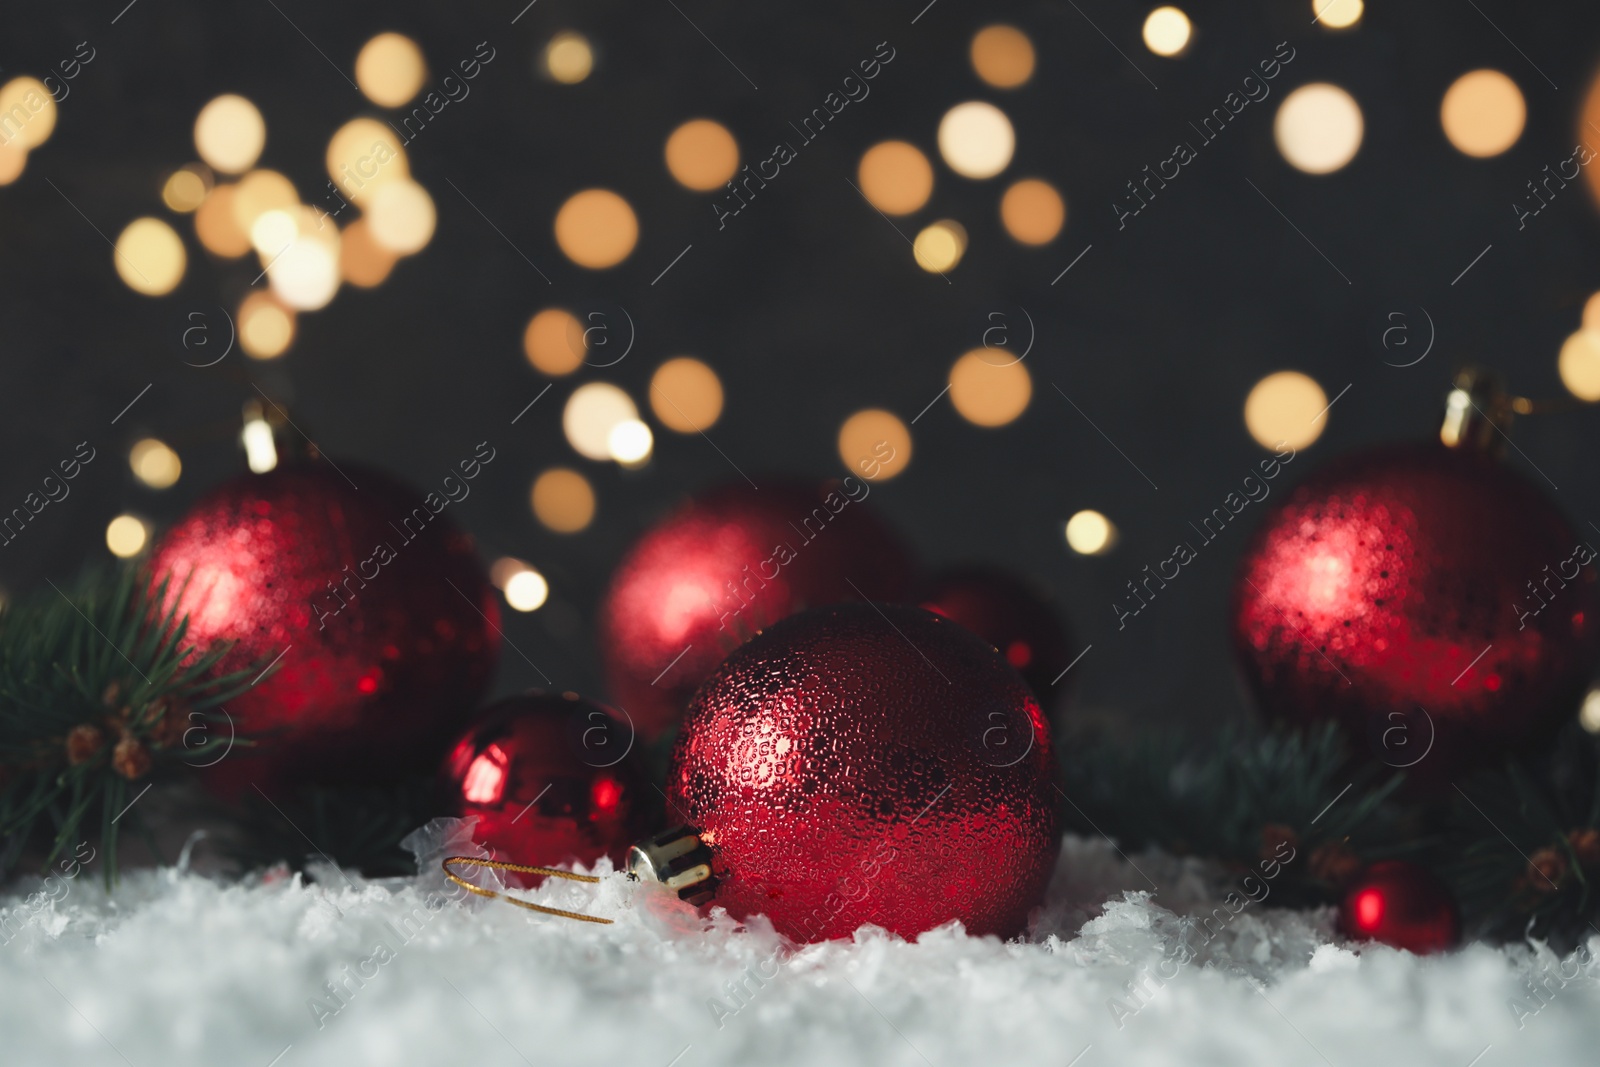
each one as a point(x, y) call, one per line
point(1546, 869)
point(84, 743)
point(112, 693)
point(1585, 842)
point(168, 720)
point(1273, 836)
point(131, 759)
point(1334, 863)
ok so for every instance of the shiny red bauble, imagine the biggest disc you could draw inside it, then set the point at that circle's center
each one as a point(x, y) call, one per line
point(1402, 905)
point(870, 764)
point(370, 602)
point(1009, 614)
point(551, 779)
point(726, 564)
point(1429, 599)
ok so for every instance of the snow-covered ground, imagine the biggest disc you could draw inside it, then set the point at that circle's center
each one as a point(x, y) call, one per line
point(174, 968)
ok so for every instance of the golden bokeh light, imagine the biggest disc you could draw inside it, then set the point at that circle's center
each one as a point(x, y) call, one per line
point(230, 133)
point(305, 273)
point(874, 444)
point(989, 394)
point(976, 139)
point(27, 113)
point(266, 327)
point(362, 261)
point(1591, 312)
point(13, 161)
point(272, 231)
point(185, 188)
point(1338, 14)
point(553, 342)
point(563, 500)
point(702, 154)
point(1286, 408)
point(390, 69)
point(154, 463)
point(363, 156)
point(895, 177)
point(1166, 31)
point(1589, 717)
point(1579, 364)
point(596, 228)
point(1002, 56)
point(149, 257)
point(526, 590)
point(126, 536)
point(940, 246)
point(1318, 128)
point(259, 192)
point(1033, 212)
point(217, 227)
point(1090, 533)
point(592, 412)
point(630, 442)
point(1483, 113)
point(686, 395)
point(568, 58)
point(401, 217)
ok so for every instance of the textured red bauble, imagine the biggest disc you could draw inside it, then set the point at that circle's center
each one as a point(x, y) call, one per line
point(1009, 614)
point(384, 620)
point(1429, 599)
point(726, 564)
point(551, 778)
point(870, 764)
point(1401, 905)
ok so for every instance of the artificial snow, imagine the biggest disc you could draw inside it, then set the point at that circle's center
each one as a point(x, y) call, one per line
point(1141, 960)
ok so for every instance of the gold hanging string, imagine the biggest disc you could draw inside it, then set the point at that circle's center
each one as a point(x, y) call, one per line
point(519, 868)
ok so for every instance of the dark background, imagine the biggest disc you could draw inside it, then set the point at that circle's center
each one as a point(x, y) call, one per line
point(808, 305)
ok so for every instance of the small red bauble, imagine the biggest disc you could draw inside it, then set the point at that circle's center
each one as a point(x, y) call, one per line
point(384, 620)
point(870, 764)
point(726, 564)
point(1429, 599)
point(1006, 612)
point(1401, 905)
point(551, 779)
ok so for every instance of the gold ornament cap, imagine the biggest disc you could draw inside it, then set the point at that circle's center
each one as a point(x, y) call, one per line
point(1478, 412)
point(679, 860)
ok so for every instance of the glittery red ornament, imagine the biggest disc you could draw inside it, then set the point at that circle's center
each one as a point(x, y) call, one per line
point(377, 603)
point(726, 564)
point(870, 764)
point(1009, 614)
point(1401, 905)
point(1429, 599)
point(551, 778)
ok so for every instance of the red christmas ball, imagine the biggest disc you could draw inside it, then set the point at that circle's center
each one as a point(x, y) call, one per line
point(1429, 599)
point(1401, 905)
point(728, 563)
point(1009, 614)
point(373, 605)
point(551, 778)
point(870, 764)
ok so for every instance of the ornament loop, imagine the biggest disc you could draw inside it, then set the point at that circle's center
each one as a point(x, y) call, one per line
point(520, 868)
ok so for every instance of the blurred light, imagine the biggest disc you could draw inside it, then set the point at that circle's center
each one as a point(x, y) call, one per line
point(272, 231)
point(553, 342)
point(989, 394)
point(1286, 408)
point(1337, 14)
point(976, 139)
point(1033, 212)
point(259, 192)
point(1590, 715)
point(504, 569)
point(154, 463)
point(596, 228)
point(260, 450)
point(1002, 56)
point(401, 217)
point(362, 261)
point(1090, 533)
point(1318, 128)
point(568, 58)
point(390, 69)
point(13, 161)
point(527, 590)
point(591, 413)
point(266, 327)
point(186, 188)
point(940, 246)
point(1579, 364)
point(27, 113)
point(230, 133)
point(702, 154)
point(1591, 313)
point(125, 536)
point(563, 500)
point(150, 257)
point(686, 395)
point(1483, 113)
point(363, 156)
point(217, 227)
point(896, 178)
point(1166, 31)
point(875, 444)
point(630, 442)
point(305, 273)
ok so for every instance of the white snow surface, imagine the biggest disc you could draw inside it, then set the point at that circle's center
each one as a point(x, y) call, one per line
point(176, 968)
